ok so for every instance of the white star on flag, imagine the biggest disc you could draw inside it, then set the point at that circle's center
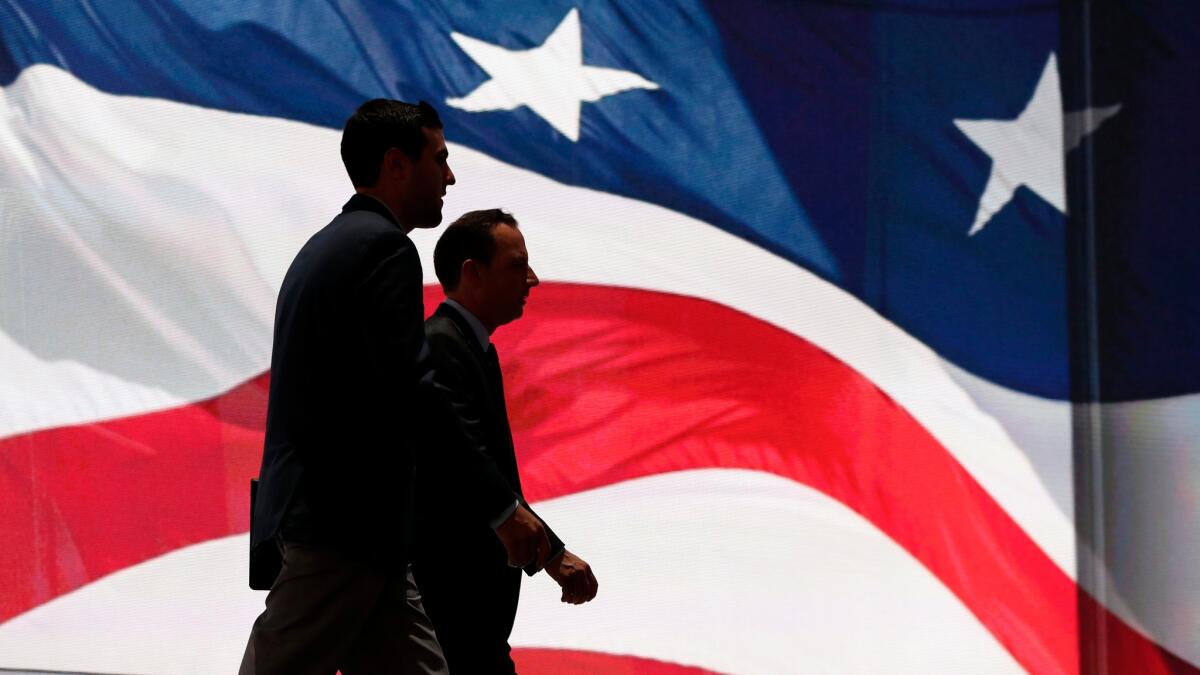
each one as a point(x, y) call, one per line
point(550, 79)
point(1030, 150)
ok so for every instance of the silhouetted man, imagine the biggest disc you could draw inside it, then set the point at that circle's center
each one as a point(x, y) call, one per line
point(470, 591)
point(350, 393)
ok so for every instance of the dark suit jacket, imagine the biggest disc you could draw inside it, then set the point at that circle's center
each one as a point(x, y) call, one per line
point(350, 395)
point(467, 587)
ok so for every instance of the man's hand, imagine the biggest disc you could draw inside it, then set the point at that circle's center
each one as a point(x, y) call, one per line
point(524, 538)
point(575, 577)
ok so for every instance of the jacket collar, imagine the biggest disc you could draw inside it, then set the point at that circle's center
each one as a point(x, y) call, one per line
point(460, 322)
point(477, 329)
point(361, 202)
point(494, 389)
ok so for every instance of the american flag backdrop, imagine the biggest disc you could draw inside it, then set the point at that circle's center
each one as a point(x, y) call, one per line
point(821, 377)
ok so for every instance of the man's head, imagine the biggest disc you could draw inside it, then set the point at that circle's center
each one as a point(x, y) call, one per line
point(482, 264)
point(396, 152)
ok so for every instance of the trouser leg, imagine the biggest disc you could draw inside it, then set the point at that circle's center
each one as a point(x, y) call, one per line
point(397, 632)
point(472, 611)
point(314, 612)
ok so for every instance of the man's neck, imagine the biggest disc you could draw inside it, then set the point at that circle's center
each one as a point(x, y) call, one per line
point(478, 329)
point(475, 310)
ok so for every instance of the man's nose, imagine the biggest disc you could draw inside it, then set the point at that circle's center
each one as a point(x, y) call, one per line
point(449, 176)
point(531, 279)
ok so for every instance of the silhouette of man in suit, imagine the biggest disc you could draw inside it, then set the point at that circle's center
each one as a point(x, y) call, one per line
point(470, 590)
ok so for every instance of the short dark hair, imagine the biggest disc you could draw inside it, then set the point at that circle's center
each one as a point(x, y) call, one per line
point(380, 124)
point(470, 237)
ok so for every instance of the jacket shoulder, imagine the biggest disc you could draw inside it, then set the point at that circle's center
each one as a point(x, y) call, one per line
point(446, 338)
point(440, 326)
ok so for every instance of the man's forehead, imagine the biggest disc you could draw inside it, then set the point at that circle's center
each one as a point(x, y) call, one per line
point(510, 232)
point(434, 137)
point(510, 238)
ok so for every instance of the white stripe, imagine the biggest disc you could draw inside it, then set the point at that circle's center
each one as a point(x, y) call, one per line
point(142, 245)
point(1151, 468)
point(734, 571)
point(1147, 574)
point(243, 194)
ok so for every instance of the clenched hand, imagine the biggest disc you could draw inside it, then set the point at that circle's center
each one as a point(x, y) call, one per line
point(524, 538)
point(575, 577)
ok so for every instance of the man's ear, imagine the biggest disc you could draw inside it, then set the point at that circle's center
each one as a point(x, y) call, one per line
point(470, 269)
point(395, 161)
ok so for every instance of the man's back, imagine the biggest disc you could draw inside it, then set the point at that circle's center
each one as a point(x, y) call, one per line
point(337, 460)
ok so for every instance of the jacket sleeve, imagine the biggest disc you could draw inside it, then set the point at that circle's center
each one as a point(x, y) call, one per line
point(556, 544)
point(392, 314)
point(457, 449)
point(452, 368)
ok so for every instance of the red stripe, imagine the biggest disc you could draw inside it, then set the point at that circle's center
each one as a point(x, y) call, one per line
point(81, 502)
point(532, 661)
point(604, 385)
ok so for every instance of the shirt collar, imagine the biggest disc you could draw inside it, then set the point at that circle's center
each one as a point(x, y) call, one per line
point(481, 333)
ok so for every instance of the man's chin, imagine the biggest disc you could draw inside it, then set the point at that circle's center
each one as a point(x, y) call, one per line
point(431, 221)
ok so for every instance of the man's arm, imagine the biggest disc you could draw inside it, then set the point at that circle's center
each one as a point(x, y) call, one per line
point(523, 534)
point(391, 311)
point(556, 544)
point(524, 537)
point(454, 447)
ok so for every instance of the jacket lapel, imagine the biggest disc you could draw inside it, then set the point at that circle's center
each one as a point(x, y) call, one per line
point(500, 438)
point(495, 394)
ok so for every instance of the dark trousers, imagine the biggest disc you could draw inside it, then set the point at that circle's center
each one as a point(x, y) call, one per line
point(327, 612)
point(472, 607)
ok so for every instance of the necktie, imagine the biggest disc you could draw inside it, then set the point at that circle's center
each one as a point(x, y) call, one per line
point(506, 458)
point(493, 366)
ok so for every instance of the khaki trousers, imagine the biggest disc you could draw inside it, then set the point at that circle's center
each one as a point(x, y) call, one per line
point(328, 612)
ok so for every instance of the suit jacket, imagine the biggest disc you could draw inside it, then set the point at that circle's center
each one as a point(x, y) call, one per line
point(350, 392)
point(467, 587)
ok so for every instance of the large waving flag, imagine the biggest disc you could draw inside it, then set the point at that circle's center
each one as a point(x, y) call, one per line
point(821, 377)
